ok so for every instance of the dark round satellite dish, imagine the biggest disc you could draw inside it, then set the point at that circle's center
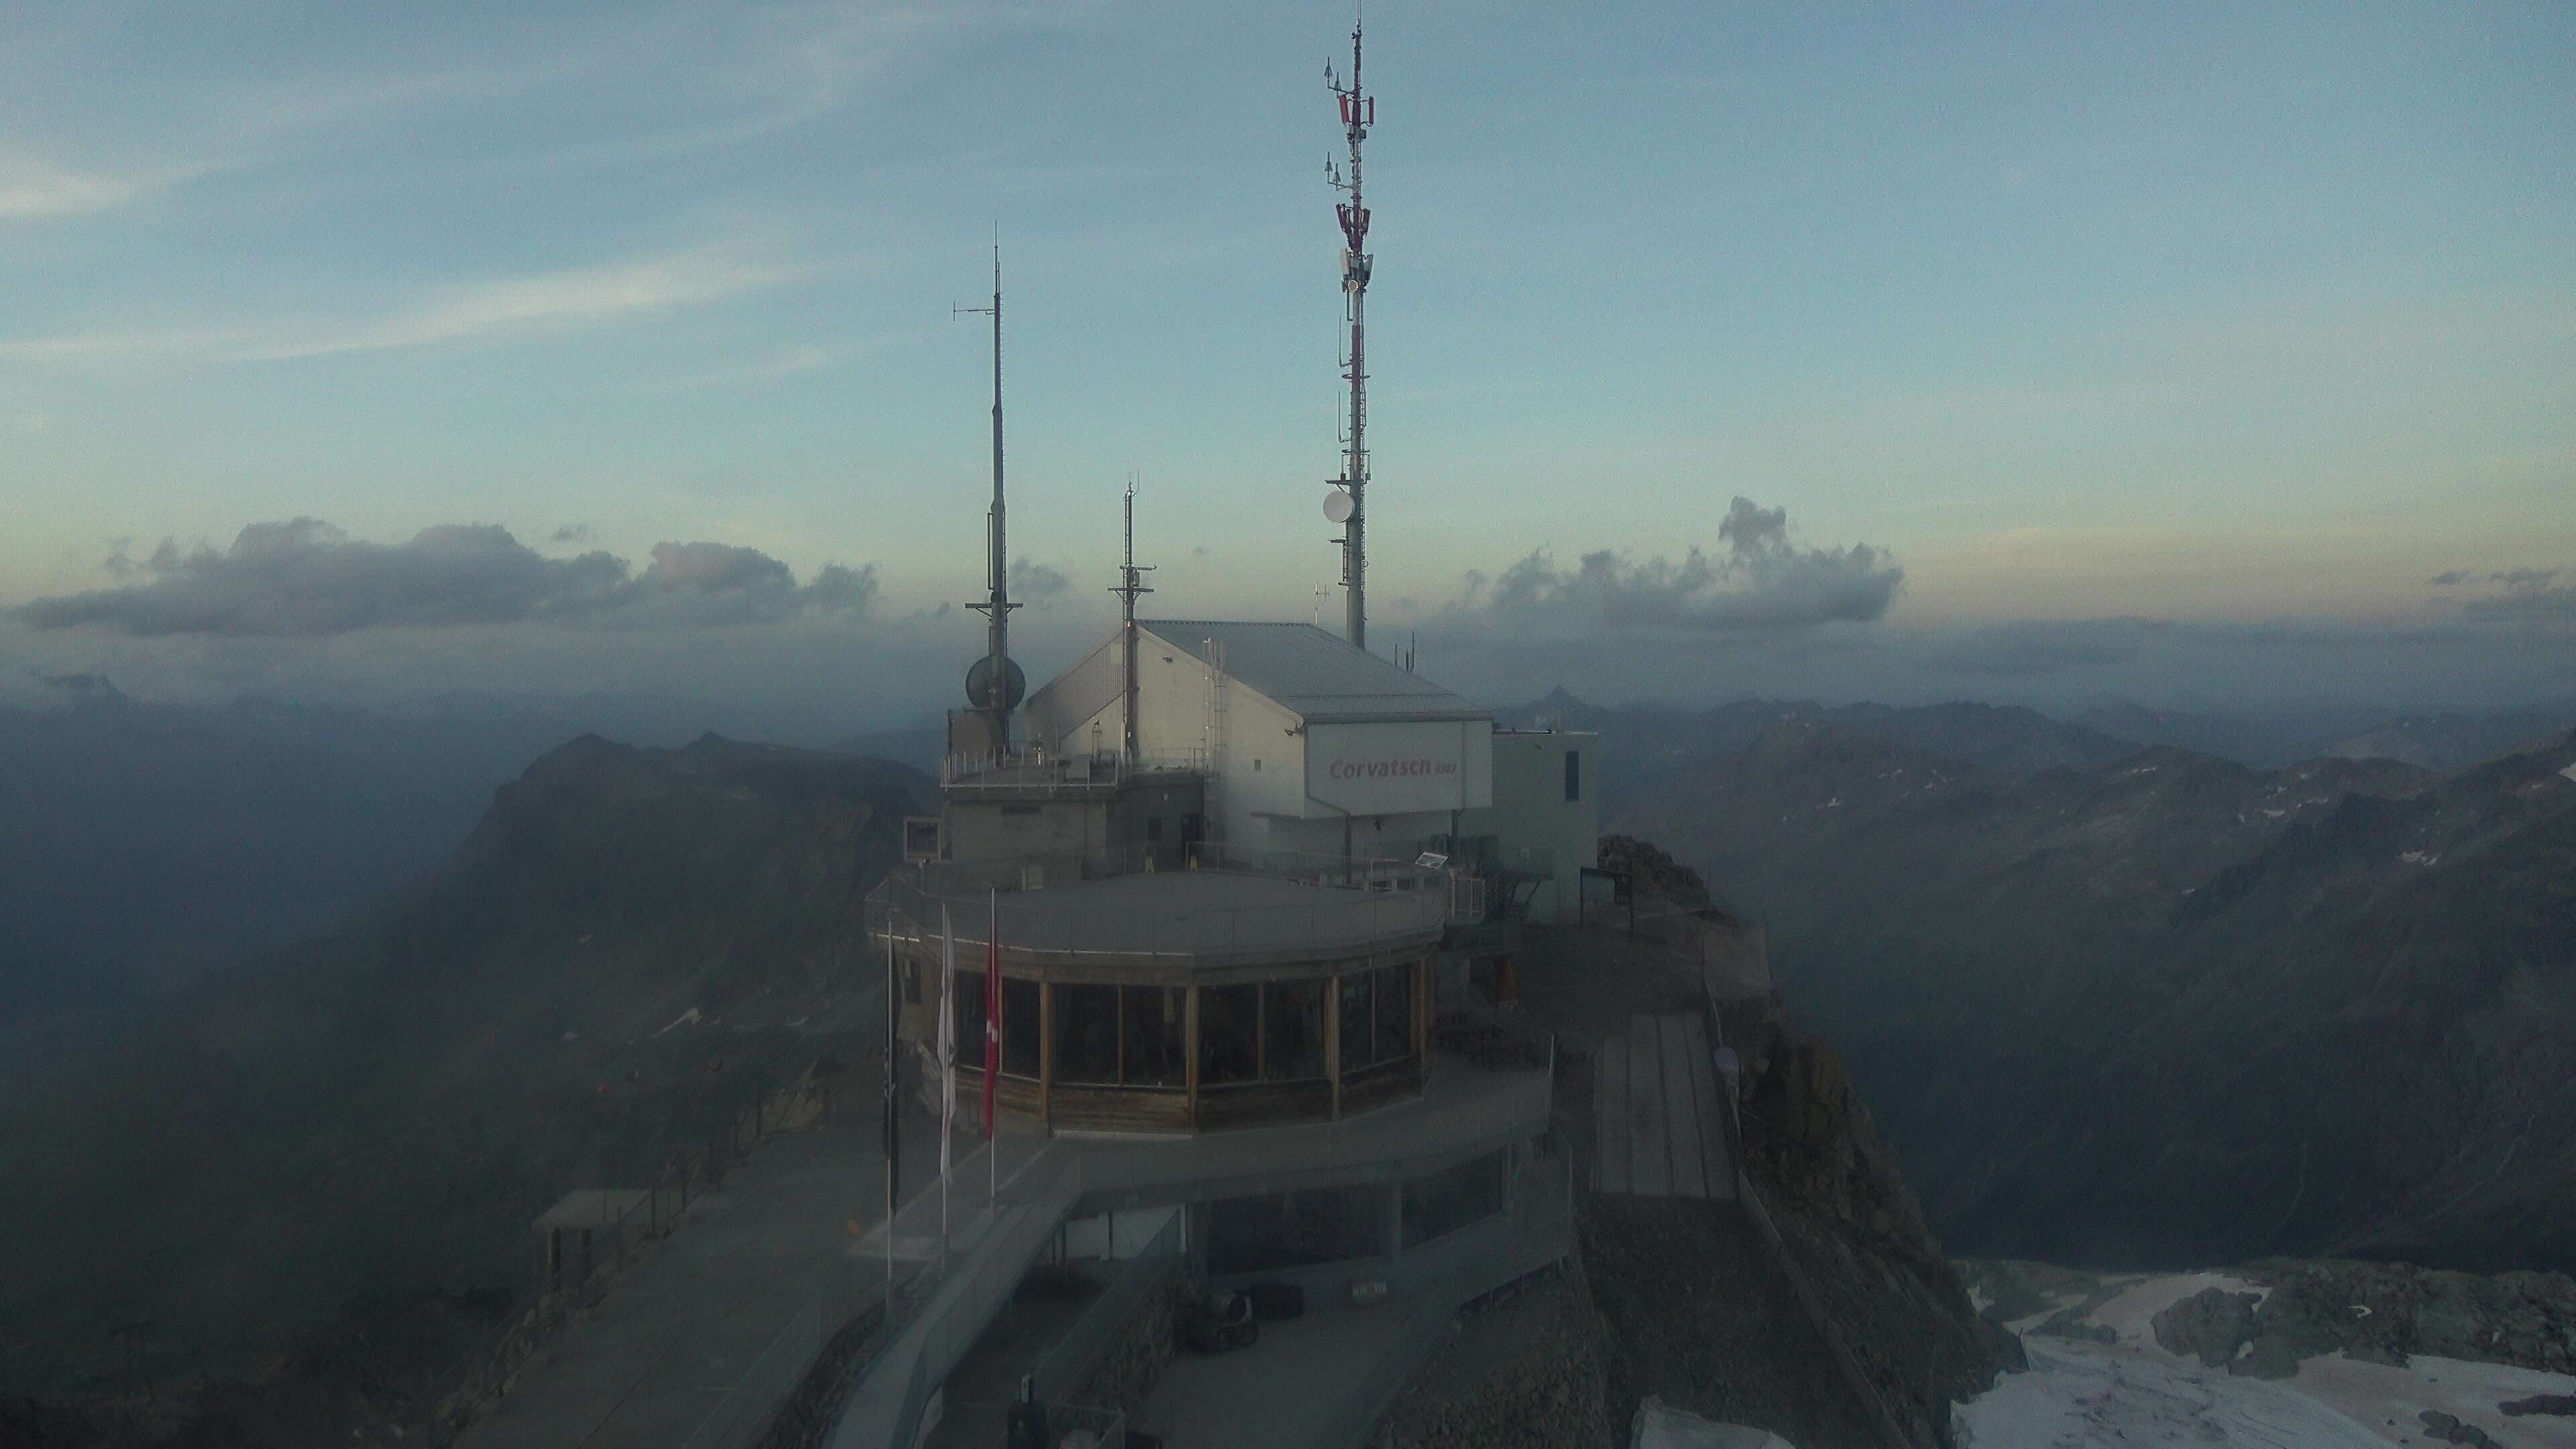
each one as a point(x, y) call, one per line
point(979, 684)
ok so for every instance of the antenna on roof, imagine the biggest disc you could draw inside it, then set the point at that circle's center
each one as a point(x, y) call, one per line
point(1131, 582)
point(995, 685)
point(1359, 112)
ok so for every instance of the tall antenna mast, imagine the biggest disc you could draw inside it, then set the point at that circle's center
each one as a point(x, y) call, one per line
point(995, 685)
point(1131, 582)
point(1359, 112)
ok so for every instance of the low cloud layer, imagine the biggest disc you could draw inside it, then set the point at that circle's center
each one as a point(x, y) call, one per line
point(2031, 648)
point(1761, 581)
point(307, 578)
point(2510, 593)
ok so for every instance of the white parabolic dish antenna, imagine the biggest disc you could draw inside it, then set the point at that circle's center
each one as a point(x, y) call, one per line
point(1337, 506)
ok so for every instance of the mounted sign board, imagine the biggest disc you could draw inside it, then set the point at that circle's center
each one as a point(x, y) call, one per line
point(1399, 768)
point(925, 837)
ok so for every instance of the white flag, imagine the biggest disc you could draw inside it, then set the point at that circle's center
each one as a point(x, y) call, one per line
point(947, 1037)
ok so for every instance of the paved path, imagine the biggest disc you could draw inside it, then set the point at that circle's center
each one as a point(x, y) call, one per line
point(1282, 1392)
point(677, 1331)
point(1657, 1132)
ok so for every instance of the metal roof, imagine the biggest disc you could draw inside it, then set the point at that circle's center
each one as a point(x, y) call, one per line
point(1319, 677)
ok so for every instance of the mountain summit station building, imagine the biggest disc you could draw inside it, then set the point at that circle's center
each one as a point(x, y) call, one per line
point(1252, 914)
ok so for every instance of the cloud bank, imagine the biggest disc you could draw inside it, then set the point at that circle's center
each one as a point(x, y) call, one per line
point(1761, 581)
point(305, 578)
point(2515, 594)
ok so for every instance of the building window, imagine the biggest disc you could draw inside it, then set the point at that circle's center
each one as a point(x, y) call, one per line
point(1019, 1028)
point(1149, 1036)
point(1377, 1017)
point(1086, 1035)
point(1292, 1031)
point(966, 1008)
point(1303, 1229)
point(1574, 774)
point(1229, 1023)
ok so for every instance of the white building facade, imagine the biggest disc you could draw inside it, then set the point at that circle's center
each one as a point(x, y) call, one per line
point(1309, 745)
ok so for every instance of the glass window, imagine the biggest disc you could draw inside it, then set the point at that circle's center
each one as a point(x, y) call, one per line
point(1393, 1017)
point(966, 1004)
point(1229, 1017)
point(1377, 1017)
point(1355, 1021)
point(1019, 1028)
point(1086, 1034)
point(1292, 1025)
point(1150, 1036)
point(1440, 1203)
point(1297, 1229)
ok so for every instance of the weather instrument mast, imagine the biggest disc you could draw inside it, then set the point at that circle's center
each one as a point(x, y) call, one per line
point(1131, 582)
point(995, 685)
point(1346, 504)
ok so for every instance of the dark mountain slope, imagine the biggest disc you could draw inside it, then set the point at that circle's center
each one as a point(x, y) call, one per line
point(387, 1108)
point(2176, 1009)
point(1651, 747)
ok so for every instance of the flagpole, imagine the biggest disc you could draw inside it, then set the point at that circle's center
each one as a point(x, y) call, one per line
point(947, 1066)
point(893, 1127)
point(993, 1041)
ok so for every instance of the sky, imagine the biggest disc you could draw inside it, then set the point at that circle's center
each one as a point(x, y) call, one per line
point(2050, 353)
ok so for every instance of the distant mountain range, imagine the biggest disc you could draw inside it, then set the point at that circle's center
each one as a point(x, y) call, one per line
point(365, 1124)
point(2171, 1009)
point(1649, 747)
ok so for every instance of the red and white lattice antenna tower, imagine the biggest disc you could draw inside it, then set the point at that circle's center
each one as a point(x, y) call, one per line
point(1347, 504)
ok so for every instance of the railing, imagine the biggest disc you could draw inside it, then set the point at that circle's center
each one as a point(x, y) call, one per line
point(1022, 768)
point(755, 1399)
point(938, 1314)
point(1542, 1233)
point(1042, 923)
point(479, 1373)
point(1078, 1357)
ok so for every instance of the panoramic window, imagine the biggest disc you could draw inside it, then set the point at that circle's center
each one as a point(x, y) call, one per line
point(1150, 1022)
point(1086, 1034)
point(1019, 1028)
point(1228, 1026)
point(1292, 1024)
point(1377, 1017)
point(966, 1010)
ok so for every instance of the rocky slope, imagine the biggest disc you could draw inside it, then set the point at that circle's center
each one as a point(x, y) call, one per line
point(2174, 1009)
point(301, 1165)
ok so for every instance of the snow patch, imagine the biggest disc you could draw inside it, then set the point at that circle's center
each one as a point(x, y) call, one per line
point(2132, 1392)
point(2419, 857)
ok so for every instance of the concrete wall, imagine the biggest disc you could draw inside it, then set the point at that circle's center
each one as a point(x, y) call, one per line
point(982, 831)
point(1532, 817)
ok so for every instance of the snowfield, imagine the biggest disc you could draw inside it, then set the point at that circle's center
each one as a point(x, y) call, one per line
point(2132, 1392)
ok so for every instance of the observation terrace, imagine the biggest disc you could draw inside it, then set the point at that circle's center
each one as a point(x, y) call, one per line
point(1236, 990)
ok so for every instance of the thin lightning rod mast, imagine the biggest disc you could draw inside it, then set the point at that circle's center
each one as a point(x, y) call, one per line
point(1001, 689)
point(1359, 112)
point(1131, 582)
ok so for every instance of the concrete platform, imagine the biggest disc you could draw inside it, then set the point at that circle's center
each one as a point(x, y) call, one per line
point(676, 1332)
point(1287, 1391)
